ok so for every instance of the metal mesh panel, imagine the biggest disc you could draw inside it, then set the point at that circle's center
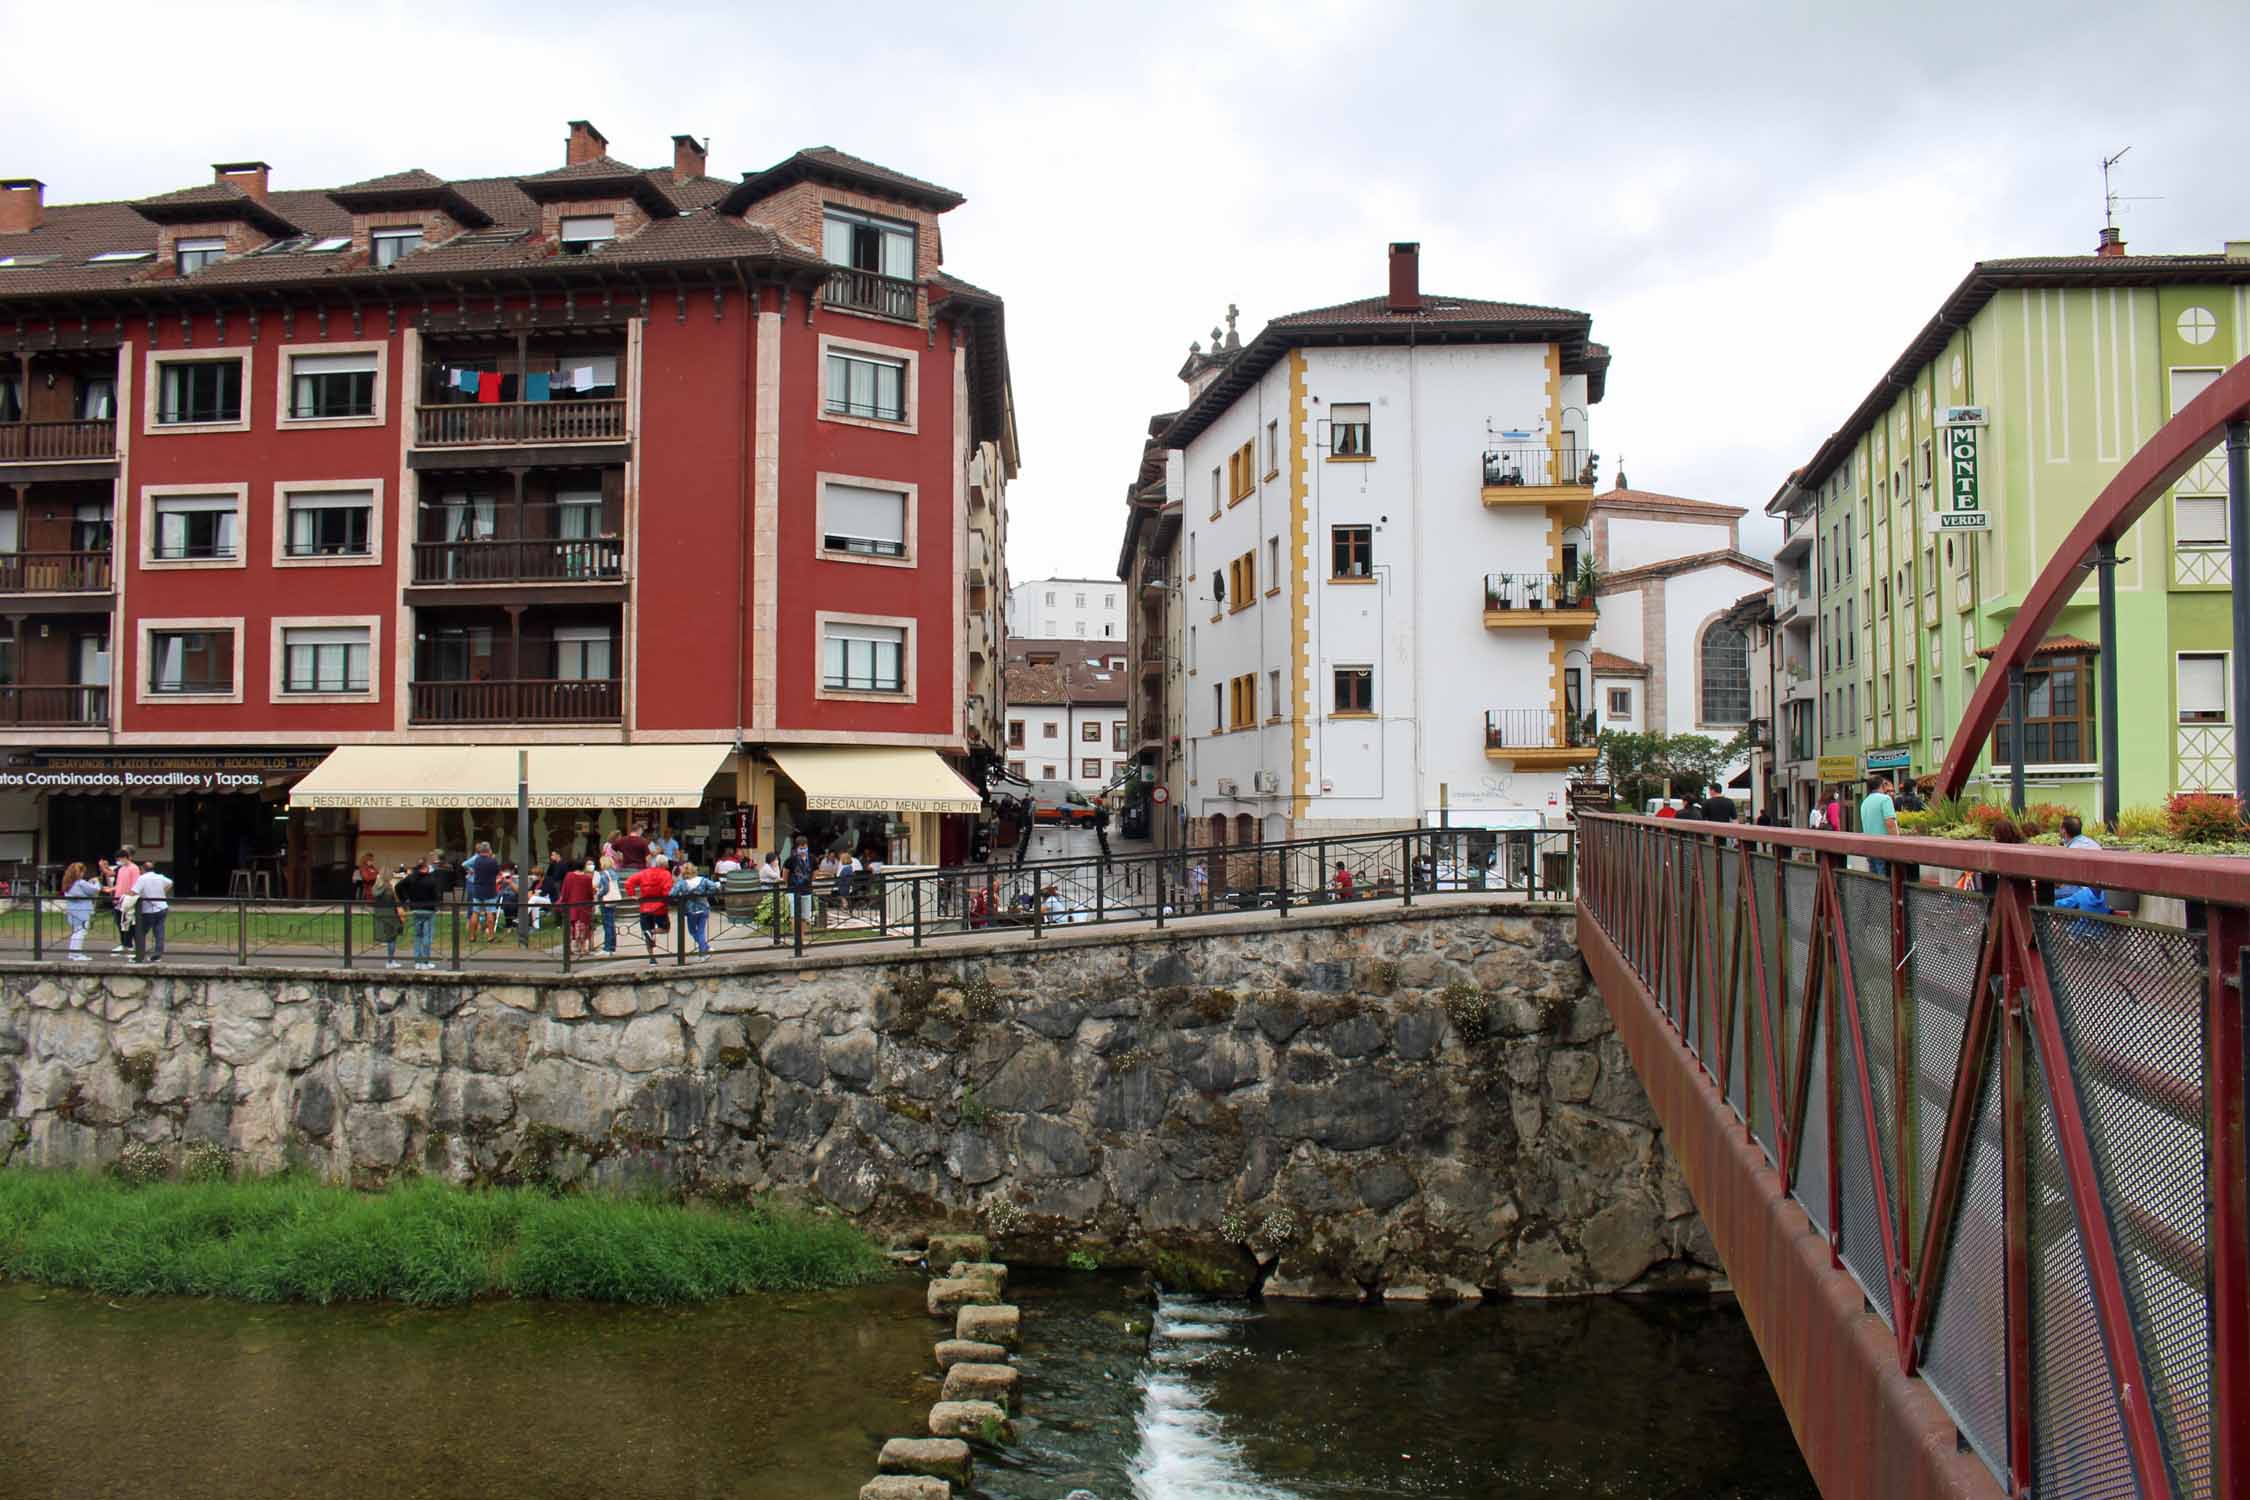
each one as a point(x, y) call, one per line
point(1734, 930)
point(1866, 905)
point(1812, 1149)
point(1944, 939)
point(2130, 1000)
point(1965, 1358)
point(1773, 940)
point(1860, 1233)
point(2077, 1436)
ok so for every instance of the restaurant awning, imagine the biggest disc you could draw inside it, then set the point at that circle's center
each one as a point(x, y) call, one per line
point(485, 776)
point(876, 778)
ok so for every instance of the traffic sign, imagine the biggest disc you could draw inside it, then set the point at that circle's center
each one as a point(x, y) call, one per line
point(1160, 796)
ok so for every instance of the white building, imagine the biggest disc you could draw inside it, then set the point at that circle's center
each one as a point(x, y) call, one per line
point(1672, 570)
point(1085, 609)
point(1384, 506)
point(1066, 717)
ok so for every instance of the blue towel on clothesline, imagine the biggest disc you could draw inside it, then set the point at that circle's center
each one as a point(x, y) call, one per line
point(535, 386)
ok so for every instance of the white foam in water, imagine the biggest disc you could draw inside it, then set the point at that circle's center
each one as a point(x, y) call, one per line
point(1184, 1452)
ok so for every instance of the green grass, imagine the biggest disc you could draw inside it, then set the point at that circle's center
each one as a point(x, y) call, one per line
point(285, 1239)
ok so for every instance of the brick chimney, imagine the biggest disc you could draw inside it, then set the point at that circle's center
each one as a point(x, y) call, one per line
point(23, 204)
point(689, 158)
point(585, 144)
point(1406, 277)
point(2112, 245)
point(250, 176)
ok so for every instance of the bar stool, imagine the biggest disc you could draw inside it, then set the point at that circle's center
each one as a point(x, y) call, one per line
point(238, 883)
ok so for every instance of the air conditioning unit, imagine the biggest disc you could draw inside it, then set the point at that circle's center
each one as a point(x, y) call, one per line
point(1226, 786)
point(1268, 782)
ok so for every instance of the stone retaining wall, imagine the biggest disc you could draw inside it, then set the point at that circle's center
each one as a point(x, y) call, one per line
point(1420, 1102)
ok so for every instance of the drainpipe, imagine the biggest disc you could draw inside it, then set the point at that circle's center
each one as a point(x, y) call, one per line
point(2105, 559)
point(2015, 738)
point(2238, 556)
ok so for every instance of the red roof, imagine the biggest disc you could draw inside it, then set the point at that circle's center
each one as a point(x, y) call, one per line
point(1610, 664)
point(1672, 566)
point(1623, 499)
point(2054, 645)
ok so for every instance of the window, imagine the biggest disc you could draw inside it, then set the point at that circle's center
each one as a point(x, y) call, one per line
point(1242, 472)
point(1090, 769)
point(866, 243)
point(1078, 601)
point(1015, 734)
point(191, 661)
point(1851, 704)
point(2200, 520)
point(582, 653)
point(2058, 724)
point(1273, 695)
point(324, 661)
point(1015, 768)
point(1091, 731)
point(193, 255)
point(1116, 663)
point(1726, 674)
point(1883, 599)
point(1351, 551)
point(1117, 735)
point(1922, 463)
point(1348, 435)
point(1081, 624)
point(864, 658)
point(1273, 562)
point(860, 385)
point(198, 527)
point(1109, 601)
point(1620, 703)
point(1046, 773)
point(2204, 687)
point(1242, 582)
point(391, 245)
point(1215, 502)
point(203, 390)
point(90, 527)
point(1242, 701)
point(1191, 648)
point(1050, 731)
point(1848, 550)
point(332, 523)
point(863, 521)
point(1355, 690)
point(582, 233)
point(1109, 632)
point(1273, 447)
point(331, 385)
point(1050, 599)
point(1218, 708)
point(97, 399)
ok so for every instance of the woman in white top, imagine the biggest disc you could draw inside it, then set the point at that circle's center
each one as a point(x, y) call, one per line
point(769, 870)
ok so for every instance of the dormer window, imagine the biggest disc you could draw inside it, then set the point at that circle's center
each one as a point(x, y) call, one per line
point(194, 255)
point(585, 232)
point(392, 245)
point(866, 243)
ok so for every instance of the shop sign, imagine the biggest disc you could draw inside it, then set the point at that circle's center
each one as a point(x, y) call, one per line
point(1889, 760)
point(165, 775)
point(1838, 768)
point(1963, 507)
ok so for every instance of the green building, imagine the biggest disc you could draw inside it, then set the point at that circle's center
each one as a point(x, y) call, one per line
point(2074, 361)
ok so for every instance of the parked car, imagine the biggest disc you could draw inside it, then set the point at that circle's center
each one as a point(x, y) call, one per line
point(1060, 802)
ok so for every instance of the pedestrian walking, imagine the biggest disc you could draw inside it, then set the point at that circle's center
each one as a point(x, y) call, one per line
point(386, 913)
point(577, 895)
point(419, 894)
point(1199, 886)
point(1341, 882)
point(652, 887)
point(695, 892)
point(481, 879)
point(1878, 816)
point(152, 900)
point(124, 874)
point(79, 893)
point(800, 878)
point(632, 851)
point(1101, 826)
point(609, 890)
point(1720, 808)
point(1834, 812)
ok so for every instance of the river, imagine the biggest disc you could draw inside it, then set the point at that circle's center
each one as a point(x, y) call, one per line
point(788, 1398)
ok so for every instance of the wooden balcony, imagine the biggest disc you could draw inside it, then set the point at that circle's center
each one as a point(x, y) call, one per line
point(55, 573)
point(54, 706)
point(521, 560)
point(872, 292)
point(58, 442)
point(1560, 480)
point(490, 424)
point(520, 701)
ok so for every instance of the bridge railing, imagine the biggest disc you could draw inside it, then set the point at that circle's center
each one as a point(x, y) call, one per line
point(2019, 1125)
point(742, 917)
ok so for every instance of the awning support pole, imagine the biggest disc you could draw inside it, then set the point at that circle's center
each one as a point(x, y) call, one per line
point(523, 846)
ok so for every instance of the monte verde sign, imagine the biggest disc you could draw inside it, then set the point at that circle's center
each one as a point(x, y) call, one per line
point(1962, 508)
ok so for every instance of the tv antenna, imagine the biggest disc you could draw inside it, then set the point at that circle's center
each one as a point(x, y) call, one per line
point(2111, 197)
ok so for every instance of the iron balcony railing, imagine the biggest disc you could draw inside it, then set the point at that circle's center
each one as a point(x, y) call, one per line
point(566, 700)
point(54, 573)
point(61, 705)
point(2012, 1113)
point(1537, 729)
point(47, 442)
point(870, 291)
point(1537, 464)
point(471, 424)
point(1535, 591)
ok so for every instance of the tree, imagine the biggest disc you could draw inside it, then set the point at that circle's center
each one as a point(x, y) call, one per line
point(1641, 766)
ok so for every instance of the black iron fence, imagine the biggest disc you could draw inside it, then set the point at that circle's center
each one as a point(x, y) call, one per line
point(739, 916)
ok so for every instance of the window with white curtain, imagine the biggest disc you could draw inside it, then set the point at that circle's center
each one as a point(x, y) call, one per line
point(867, 243)
point(191, 661)
point(582, 233)
point(578, 514)
point(864, 658)
point(863, 386)
point(2203, 687)
point(10, 539)
point(582, 654)
point(324, 660)
point(330, 523)
point(864, 520)
point(97, 398)
point(193, 255)
point(2200, 520)
point(391, 245)
point(332, 385)
point(200, 527)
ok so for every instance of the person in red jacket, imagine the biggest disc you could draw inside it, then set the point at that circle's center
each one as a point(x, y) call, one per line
point(652, 887)
point(577, 903)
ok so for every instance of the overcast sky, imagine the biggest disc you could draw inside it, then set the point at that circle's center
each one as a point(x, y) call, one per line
point(1759, 204)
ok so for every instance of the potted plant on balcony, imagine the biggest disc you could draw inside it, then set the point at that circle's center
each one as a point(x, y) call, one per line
point(1589, 578)
point(1495, 595)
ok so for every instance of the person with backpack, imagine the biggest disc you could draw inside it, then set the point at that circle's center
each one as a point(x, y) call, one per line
point(386, 912)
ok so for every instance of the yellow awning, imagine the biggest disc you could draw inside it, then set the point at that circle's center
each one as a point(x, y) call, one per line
point(485, 776)
point(877, 778)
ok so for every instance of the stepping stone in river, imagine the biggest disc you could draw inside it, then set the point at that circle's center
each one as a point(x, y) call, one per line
point(967, 1382)
point(905, 1487)
point(948, 1248)
point(996, 1324)
point(951, 1352)
point(946, 1294)
point(970, 1419)
point(980, 1270)
point(939, 1458)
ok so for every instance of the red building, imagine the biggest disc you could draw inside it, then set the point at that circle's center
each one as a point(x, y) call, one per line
point(667, 478)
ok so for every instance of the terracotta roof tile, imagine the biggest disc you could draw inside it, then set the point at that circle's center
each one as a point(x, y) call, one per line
point(1672, 566)
point(1435, 309)
point(2054, 645)
point(1652, 500)
point(826, 163)
point(1610, 664)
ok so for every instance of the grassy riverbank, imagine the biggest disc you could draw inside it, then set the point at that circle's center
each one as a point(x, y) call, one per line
point(292, 1239)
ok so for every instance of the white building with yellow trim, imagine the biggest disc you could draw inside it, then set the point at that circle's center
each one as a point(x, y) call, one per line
point(1384, 509)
